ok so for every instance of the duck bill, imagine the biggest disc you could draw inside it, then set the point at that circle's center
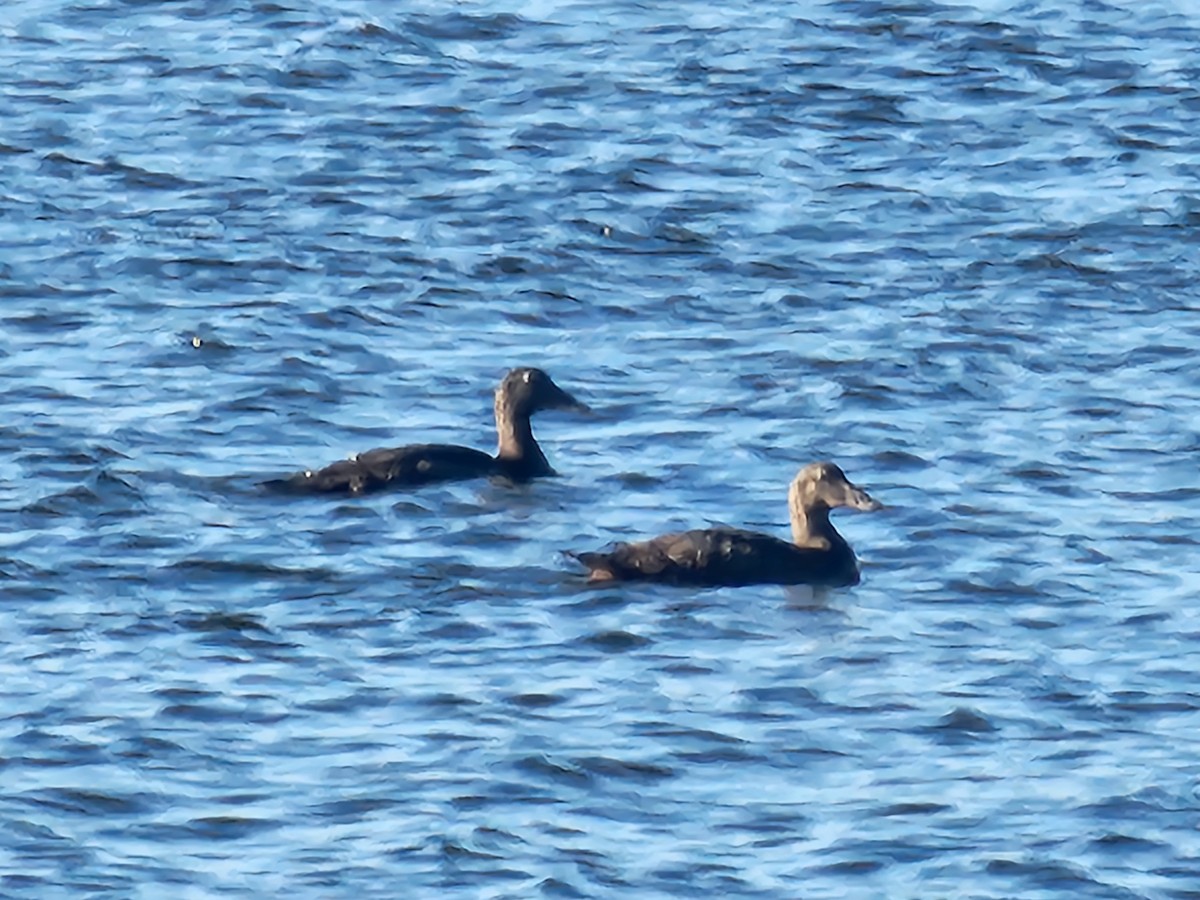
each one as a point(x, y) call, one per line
point(560, 399)
point(857, 498)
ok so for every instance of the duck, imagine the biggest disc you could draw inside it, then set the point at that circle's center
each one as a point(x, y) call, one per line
point(521, 393)
point(731, 557)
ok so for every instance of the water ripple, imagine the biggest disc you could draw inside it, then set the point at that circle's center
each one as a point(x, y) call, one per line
point(950, 247)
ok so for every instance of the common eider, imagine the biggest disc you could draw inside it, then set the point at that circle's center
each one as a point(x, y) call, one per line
point(522, 392)
point(816, 555)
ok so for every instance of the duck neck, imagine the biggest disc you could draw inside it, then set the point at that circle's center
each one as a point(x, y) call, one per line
point(810, 522)
point(516, 447)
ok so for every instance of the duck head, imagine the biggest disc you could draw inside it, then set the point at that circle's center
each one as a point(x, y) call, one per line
point(825, 485)
point(528, 390)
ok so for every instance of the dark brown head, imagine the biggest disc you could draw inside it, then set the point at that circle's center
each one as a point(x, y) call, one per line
point(823, 485)
point(526, 391)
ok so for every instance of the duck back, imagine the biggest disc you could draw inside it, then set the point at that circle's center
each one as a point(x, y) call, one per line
point(377, 470)
point(723, 556)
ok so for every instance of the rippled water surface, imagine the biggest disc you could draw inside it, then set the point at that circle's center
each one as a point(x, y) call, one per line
point(952, 247)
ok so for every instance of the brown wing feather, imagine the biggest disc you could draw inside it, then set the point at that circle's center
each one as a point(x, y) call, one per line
point(722, 556)
point(378, 469)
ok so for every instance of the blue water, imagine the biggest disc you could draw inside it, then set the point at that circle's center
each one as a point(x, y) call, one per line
point(954, 248)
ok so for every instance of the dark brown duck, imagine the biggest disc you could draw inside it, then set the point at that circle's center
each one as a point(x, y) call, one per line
point(816, 555)
point(521, 393)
